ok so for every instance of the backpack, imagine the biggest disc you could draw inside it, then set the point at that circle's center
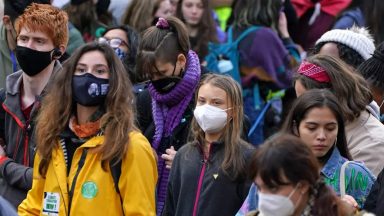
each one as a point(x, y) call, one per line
point(224, 58)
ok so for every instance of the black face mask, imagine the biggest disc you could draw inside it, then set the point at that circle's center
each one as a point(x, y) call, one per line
point(89, 90)
point(32, 61)
point(166, 84)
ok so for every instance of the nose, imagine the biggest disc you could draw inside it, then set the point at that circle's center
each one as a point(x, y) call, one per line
point(194, 9)
point(321, 135)
point(30, 44)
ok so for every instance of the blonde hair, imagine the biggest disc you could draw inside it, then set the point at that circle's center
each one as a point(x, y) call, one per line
point(234, 162)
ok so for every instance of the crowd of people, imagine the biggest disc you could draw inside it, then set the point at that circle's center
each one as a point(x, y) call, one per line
point(192, 107)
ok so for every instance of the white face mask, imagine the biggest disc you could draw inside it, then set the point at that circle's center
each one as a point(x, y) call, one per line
point(274, 204)
point(211, 119)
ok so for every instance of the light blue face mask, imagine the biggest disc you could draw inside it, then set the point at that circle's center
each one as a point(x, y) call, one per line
point(120, 53)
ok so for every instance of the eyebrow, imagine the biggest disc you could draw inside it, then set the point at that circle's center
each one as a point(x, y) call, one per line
point(96, 65)
point(34, 38)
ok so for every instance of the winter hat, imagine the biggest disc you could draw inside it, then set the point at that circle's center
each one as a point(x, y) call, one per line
point(356, 38)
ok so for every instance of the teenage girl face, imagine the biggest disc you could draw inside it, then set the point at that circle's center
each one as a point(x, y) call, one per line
point(93, 62)
point(165, 9)
point(214, 96)
point(118, 34)
point(192, 11)
point(319, 130)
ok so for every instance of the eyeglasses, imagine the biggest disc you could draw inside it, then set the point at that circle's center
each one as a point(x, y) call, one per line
point(113, 42)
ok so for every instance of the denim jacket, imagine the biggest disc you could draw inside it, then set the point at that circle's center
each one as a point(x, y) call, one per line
point(358, 178)
point(358, 181)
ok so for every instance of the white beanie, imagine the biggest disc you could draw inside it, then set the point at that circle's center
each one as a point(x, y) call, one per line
point(355, 38)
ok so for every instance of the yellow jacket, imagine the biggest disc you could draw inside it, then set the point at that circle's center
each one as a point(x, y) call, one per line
point(94, 192)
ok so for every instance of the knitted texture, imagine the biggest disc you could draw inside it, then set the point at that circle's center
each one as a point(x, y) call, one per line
point(356, 38)
point(168, 109)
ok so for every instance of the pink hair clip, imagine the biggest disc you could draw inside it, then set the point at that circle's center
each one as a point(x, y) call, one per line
point(162, 23)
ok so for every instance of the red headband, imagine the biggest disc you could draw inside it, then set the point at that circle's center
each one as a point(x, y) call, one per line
point(314, 72)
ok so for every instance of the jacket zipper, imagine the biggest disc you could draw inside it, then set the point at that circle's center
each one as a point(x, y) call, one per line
point(201, 177)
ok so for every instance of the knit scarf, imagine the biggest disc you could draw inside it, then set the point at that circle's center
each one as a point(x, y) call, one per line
point(167, 111)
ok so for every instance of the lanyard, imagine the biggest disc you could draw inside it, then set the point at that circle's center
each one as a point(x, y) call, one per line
point(14, 62)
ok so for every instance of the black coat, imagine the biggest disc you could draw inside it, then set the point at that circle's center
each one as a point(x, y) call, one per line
point(375, 200)
point(146, 124)
point(195, 180)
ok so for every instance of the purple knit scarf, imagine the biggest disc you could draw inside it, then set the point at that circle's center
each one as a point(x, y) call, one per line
point(167, 111)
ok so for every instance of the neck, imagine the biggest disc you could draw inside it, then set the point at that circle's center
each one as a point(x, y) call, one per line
point(33, 86)
point(84, 113)
point(303, 202)
point(212, 137)
point(192, 31)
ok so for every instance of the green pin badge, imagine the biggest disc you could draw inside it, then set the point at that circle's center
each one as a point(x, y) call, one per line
point(89, 190)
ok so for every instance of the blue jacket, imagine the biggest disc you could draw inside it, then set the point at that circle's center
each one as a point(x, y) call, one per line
point(358, 178)
point(358, 181)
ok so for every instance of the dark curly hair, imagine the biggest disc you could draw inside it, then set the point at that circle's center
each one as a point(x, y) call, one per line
point(347, 54)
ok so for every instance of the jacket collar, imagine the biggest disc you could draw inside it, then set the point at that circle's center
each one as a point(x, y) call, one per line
point(329, 169)
point(14, 80)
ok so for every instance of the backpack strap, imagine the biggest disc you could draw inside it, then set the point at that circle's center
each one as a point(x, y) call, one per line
point(342, 178)
point(115, 168)
point(244, 34)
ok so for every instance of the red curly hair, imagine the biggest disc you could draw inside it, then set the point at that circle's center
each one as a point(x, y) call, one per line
point(45, 18)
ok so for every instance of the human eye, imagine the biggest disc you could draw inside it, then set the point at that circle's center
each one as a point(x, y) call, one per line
point(331, 127)
point(311, 127)
point(40, 41)
point(200, 101)
point(22, 39)
point(80, 69)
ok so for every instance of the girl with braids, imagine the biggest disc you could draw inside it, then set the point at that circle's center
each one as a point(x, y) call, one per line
point(208, 175)
point(316, 118)
point(86, 134)
point(165, 108)
point(373, 71)
point(286, 174)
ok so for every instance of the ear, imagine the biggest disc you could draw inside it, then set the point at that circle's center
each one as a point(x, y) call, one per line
point(58, 52)
point(181, 60)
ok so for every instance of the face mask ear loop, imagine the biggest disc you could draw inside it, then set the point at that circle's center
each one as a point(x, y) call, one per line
point(382, 102)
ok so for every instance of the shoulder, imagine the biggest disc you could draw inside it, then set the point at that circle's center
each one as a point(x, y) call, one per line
point(359, 169)
point(138, 143)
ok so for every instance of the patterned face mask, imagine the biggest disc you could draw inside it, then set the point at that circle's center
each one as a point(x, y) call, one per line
point(120, 53)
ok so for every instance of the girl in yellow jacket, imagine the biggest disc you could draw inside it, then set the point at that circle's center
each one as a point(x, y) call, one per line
point(85, 133)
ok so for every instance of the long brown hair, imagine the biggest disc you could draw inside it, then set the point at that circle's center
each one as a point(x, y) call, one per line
point(207, 28)
point(58, 106)
point(162, 44)
point(234, 162)
point(139, 14)
point(349, 87)
point(317, 98)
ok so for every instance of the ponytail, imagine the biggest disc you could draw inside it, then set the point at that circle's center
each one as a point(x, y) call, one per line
point(163, 42)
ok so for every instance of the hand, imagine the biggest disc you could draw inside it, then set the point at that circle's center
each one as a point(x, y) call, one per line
point(350, 200)
point(168, 157)
point(2, 152)
point(283, 26)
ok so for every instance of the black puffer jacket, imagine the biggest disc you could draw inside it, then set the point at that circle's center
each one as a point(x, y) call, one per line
point(375, 200)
